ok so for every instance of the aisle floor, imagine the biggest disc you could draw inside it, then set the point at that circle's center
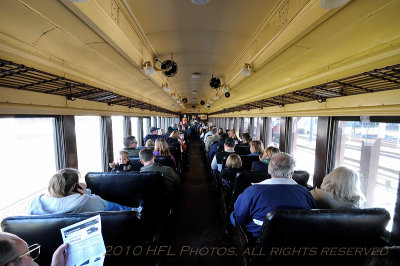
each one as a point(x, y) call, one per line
point(199, 226)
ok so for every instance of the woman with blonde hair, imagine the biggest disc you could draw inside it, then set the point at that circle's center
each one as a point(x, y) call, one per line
point(340, 189)
point(161, 149)
point(232, 134)
point(176, 135)
point(67, 195)
point(149, 143)
point(256, 148)
point(233, 165)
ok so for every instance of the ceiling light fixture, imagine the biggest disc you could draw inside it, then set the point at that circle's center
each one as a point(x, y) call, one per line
point(225, 88)
point(169, 68)
point(246, 70)
point(174, 96)
point(331, 4)
point(196, 75)
point(199, 2)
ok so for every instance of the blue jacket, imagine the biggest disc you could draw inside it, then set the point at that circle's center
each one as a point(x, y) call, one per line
point(259, 166)
point(258, 200)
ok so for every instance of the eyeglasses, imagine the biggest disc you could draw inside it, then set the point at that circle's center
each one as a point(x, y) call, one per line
point(33, 252)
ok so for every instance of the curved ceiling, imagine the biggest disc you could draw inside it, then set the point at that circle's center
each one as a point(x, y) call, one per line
point(291, 45)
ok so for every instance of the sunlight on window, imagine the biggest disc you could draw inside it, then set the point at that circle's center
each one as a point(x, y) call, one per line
point(374, 150)
point(135, 129)
point(117, 132)
point(273, 136)
point(27, 161)
point(303, 141)
point(88, 143)
point(146, 126)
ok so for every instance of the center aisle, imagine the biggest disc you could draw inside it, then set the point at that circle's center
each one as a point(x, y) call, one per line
point(199, 227)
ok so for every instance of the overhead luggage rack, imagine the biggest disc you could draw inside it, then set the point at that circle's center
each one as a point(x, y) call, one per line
point(21, 77)
point(387, 78)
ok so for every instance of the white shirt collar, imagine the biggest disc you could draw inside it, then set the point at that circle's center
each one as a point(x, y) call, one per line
point(277, 181)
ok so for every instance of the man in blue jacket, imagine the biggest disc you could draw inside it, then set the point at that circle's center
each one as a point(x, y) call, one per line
point(279, 192)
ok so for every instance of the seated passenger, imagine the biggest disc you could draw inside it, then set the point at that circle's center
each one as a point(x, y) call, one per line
point(246, 138)
point(153, 133)
point(279, 192)
point(211, 140)
point(228, 174)
point(175, 134)
point(340, 189)
point(130, 145)
point(256, 148)
point(229, 147)
point(161, 149)
point(232, 134)
point(149, 143)
point(67, 195)
point(214, 148)
point(15, 251)
point(262, 165)
point(123, 164)
point(171, 178)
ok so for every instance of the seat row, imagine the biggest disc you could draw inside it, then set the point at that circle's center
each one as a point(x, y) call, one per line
point(291, 237)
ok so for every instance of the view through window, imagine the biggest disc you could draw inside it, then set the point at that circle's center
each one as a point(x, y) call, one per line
point(373, 149)
point(117, 132)
point(27, 160)
point(87, 129)
point(303, 141)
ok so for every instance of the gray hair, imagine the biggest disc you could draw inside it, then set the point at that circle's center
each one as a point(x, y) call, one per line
point(345, 183)
point(281, 165)
point(8, 252)
point(129, 140)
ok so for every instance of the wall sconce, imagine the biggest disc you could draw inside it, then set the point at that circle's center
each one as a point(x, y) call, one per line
point(148, 68)
point(246, 70)
point(165, 87)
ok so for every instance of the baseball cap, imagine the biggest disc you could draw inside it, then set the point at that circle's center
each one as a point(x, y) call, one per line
point(153, 129)
point(230, 142)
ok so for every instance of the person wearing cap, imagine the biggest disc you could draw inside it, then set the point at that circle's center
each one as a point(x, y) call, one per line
point(229, 148)
point(153, 131)
point(15, 251)
point(130, 145)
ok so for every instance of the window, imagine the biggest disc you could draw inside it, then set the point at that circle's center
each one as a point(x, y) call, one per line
point(87, 129)
point(254, 128)
point(118, 137)
point(373, 149)
point(146, 126)
point(246, 125)
point(273, 136)
point(135, 129)
point(27, 162)
point(303, 141)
